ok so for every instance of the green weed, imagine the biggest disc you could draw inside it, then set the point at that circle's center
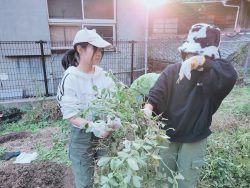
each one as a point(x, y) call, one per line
point(237, 102)
point(58, 152)
point(227, 162)
point(34, 118)
point(2, 150)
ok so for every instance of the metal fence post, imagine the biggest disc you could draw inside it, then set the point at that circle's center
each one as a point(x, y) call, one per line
point(245, 64)
point(44, 66)
point(132, 62)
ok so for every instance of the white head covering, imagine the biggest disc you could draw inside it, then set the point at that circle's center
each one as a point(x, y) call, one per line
point(90, 36)
point(203, 39)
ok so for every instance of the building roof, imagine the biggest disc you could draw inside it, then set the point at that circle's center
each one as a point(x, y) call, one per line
point(166, 48)
point(201, 1)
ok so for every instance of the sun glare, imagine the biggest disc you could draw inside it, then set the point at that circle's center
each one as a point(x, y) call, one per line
point(153, 3)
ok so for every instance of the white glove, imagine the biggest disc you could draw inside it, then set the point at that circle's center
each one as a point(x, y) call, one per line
point(113, 123)
point(98, 128)
point(147, 112)
point(190, 64)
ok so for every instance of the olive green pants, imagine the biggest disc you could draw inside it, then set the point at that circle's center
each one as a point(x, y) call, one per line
point(82, 153)
point(185, 158)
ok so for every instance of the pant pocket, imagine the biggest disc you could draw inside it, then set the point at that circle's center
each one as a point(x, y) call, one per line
point(79, 138)
point(197, 164)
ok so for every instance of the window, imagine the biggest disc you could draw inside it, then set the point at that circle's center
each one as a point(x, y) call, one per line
point(62, 36)
point(98, 9)
point(67, 17)
point(65, 9)
point(165, 26)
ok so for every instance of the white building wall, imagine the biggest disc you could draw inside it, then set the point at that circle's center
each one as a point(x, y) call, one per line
point(23, 20)
point(27, 20)
point(131, 20)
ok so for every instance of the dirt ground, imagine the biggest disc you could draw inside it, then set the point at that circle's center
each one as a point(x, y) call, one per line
point(35, 174)
point(51, 174)
point(223, 121)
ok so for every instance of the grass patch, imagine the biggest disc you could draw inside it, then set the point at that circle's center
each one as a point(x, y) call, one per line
point(22, 126)
point(34, 118)
point(58, 152)
point(237, 102)
point(227, 163)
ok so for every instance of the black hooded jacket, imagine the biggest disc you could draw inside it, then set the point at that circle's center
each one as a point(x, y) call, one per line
point(189, 105)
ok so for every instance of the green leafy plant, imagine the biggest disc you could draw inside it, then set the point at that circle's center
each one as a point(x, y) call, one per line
point(227, 162)
point(58, 152)
point(2, 150)
point(35, 117)
point(237, 102)
point(132, 151)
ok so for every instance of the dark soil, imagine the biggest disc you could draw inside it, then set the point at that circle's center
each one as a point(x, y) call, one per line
point(13, 136)
point(10, 115)
point(36, 175)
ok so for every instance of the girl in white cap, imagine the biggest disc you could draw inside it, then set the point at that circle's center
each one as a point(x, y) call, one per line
point(75, 93)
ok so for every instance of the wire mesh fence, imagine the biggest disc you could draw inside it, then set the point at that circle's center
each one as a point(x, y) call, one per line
point(163, 50)
point(33, 68)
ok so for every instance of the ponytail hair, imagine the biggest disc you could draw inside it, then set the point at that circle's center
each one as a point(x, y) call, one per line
point(70, 59)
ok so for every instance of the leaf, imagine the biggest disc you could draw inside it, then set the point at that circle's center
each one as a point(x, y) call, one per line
point(132, 164)
point(106, 186)
point(156, 156)
point(115, 163)
point(179, 176)
point(123, 154)
point(141, 161)
point(170, 180)
point(164, 136)
point(113, 182)
point(127, 179)
point(134, 126)
point(136, 145)
point(147, 147)
point(127, 144)
point(126, 150)
point(104, 180)
point(110, 175)
point(136, 181)
point(162, 147)
point(95, 88)
point(103, 161)
point(123, 185)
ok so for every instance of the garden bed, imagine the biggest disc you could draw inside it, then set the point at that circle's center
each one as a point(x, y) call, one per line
point(227, 163)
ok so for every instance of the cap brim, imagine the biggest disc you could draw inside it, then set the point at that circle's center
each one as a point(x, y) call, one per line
point(100, 43)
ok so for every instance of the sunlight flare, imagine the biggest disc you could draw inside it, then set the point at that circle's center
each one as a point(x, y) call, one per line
point(152, 3)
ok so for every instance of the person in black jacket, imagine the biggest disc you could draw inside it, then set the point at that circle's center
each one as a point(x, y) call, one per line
point(187, 94)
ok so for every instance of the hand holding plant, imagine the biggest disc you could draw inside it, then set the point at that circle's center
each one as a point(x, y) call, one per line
point(99, 129)
point(113, 123)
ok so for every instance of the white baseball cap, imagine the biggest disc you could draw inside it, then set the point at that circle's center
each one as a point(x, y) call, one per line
point(90, 36)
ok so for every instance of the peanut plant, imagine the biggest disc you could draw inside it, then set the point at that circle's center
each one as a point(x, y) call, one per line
point(132, 158)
